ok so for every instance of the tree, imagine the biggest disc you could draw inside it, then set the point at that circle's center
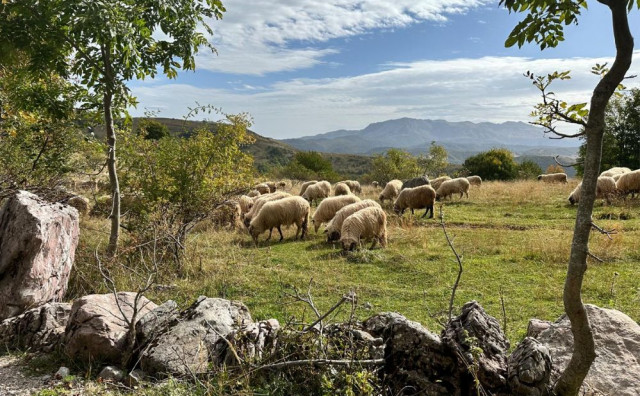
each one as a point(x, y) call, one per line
point(554, 168)
point(152, 129)
point(106, 43)
point(543, 24)
point(435, 161)
point(495, 164)
point(394, 164)
point(307, 165)
point(528, 170)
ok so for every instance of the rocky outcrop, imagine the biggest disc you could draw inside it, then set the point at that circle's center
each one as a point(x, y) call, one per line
point(156, 321)
point(39, 330)
point(38, 240)
point(97, 329)
point(529, 369)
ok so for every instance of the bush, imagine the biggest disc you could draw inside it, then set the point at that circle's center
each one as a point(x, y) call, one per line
point(528, 170)
point(495, 164)
point(394, 164)
point(308, 165)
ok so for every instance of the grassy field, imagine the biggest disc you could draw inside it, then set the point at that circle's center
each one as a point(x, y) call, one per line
point(514, 236)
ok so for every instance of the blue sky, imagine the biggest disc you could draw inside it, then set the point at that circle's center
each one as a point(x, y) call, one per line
point(302, 67)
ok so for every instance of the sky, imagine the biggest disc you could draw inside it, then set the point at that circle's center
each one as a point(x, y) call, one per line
point(303, 67)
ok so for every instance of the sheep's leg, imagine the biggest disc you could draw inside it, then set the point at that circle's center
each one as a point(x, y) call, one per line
point(412, 211)
point(375, 241)
point(281, 236)
point(269, 237)
point(298, 225)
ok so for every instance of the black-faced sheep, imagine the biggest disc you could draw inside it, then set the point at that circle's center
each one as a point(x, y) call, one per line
point(474, 180)
point(328, 208)
point(615, 171)
point(283, 212)
point(415, 182)
point(335, 225)
point(435, 183)
point(315, 192)
point(282, 185)
point(259, 203)
point(362, 225)
point(415, 198)
point(341, 188)
point(375, 184)
point(306, 184)
point(458, 185)
point(272, 186)
point(553, 178)
point(391, 190)
point(605, 189)
point(629, 183)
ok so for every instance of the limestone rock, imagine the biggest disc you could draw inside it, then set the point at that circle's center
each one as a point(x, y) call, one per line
point(537, 326)
point(529, 369)
point(112, 374)
point(39, 329)
point(38, 241)
point(156, 321)
point(62, 373)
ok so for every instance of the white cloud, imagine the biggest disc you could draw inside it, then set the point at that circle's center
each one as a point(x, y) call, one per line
point(259, 36)
point(481, 89)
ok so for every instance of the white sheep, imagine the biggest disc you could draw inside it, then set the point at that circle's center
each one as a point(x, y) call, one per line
point(259, 202)
point(629, 183)
point(272, 186)
point(253, 193)
point(246, 203)
point(615, 171)
point(306, 184)
point(553, 178)
point(315, 192)
point(474, 180)
point(391, 190)
point(415, 198)
point(282, 185)
point(283, 212)
point(364, 224)
point(458, 185)
point(605, 189)
point(328, 208)
point(263, 188)
point(435, 183)
point(341, 188)
point(335, 225)
point(375, 184)
point(354, 186)
point(326, 186)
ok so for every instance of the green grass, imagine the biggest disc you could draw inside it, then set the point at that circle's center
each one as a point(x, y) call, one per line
point(514, 237)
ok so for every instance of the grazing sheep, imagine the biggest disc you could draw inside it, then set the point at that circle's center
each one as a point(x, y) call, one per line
point(474, 180)
point(415, 198)
point(259, 203)
point(315, 192)
point(605, 189)
point(246, 203)
point(335, 225)
point(435, 183)
point(326, 186)
point(304, 186)
point(341, 189)
point(364, 224)
point(282, 185)
point(80, 203)
point(272, 186)
point(618, 176)
point(454, 186)
point(253, 193)
point(375, 184)
point(354, 185)
point(391, 190)
point(415, 182)
point(328, 208)
point(629, 183)
point(615, 171)
point(285, 211)
point(263, 188)
point(553, 178)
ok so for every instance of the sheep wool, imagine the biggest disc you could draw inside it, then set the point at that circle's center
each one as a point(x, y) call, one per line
point(341, 189)
point(415, 198)
point(615, 171)
point(315, 192)
point(364, 224)
point(263, 188)
point(282, 185)
point(328, 208)
point(306, 184)
point(415, 182)
point(553, 178)
point(253, 193)
point(474, 180)
point(354, 186)
point(283, 212)
point(246, 203)
point(605, 189)
point(272, 186)
point(459, 185)
point(325, 186)
point(629, 183)
point(259, 203)
point(435, 183)
point(391, 190)
point(335, 225)
point(375, 184)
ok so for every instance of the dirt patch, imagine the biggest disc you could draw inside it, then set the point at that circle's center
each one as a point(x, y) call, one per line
point(15, 382)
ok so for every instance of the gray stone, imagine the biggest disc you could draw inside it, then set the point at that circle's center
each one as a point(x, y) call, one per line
point(38, 240)
point(616, 369)
point(62, 373)
point(135, 378)
point(529, 369)
point(97, 331)
point(537, 326)
point(249, 342)
point(111, 374)
point(188, 344)
point(156, 321)
point(40, 329)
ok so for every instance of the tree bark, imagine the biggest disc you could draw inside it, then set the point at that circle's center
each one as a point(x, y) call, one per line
point(583, 346)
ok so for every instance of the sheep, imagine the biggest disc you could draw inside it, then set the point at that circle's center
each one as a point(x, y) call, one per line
point(341, 189)
point(453, 186)
point(415, 182)
point(285, 211)
point(415, 198)
point(246, 203)
point(282, 185)
point(605, 188)
point(272, 186)
point(474, 180)
point(629, 183)
point(335, 225)
point(263, 188)
point(326, 186)
point(375, 184)
point(80, 203)
point(618, 176)
point(304, 186)
point(328, 208)
point(615, 171)
point(364, 224)
point(259, 203)
point(553, 178)
point(391, 190)
point(253, 193)
point(314, 192)
point(435, 183)
point(354, 185)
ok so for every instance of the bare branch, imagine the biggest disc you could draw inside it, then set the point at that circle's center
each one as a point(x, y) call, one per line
point(566, 165)
point(593, 256)
point(608, 233)
point(348, 297)
point(458, 259)
point(323, 362)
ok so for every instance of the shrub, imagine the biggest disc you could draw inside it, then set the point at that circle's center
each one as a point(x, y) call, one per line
point(495, 164)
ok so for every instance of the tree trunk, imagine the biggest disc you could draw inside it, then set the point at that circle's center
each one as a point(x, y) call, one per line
point(583, 347)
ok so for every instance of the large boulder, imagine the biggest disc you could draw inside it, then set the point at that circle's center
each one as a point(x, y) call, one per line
point(39, 329)
point(97, 330)
point(188, 344)
point(616, 369)
point(38, 240)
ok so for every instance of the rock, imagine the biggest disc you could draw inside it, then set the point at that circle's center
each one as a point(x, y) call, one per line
point(537, 326)
point(156, 321)
point(135, 378)
point(249, 342)
point(80, 203)
point(473, 329)
point(62, 373)
point(40, 329)
point(97, 331)
point(529, 369)
point(189, 343)
point(416, 360)
point(617, 339)
point(38, 241)
point(112, 374)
